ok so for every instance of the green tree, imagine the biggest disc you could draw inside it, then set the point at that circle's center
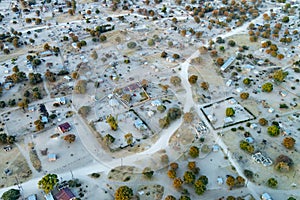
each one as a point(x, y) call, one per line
point(175, 80)
point(247, 81)
point(285, 19)
point(39, 125)
point(267, 87)
point(199, 187)
point(263, 121)
point(172, 173)
point(189, 177)
point(112, 122)
point(231, 43)
point(204, 85)
point(184, 198)
point(80, 87)
point(177, 183)
point(279, 75)
point(229, 112)
point(273, 130)
point(11, 194)
point(244, 95)
point(289, 142)
point(84, 110)
point(123, 193)
point(170, 197)
point(48, 182)
point(193, 79)
point(194, 151)
point(70, 138)
point(272, 182)
point(230, 181)
point(148, 173)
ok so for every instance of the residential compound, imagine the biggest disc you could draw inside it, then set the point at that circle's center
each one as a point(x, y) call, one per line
point(172, 99)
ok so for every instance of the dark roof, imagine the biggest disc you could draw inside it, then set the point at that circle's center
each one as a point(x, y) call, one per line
point(64, 194)
point(64, 126)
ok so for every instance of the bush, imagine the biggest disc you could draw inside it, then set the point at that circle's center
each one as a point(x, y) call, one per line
point(131, 45)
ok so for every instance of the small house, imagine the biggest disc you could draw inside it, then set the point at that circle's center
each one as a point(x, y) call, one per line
point(65, 194)
point(65, 127)
point(220, 181)
point(156, 103)
point(250, 140)
point(232, 101)
point(139, 124)
point(253, 126)
point(31, 108)
point(49, 196)
point(215, 148)
point(44, 119)
point(51, 157)
point(61, 100)
point(271, 110)
point(283, 93)
point(31, 197)
point(228, 120)
point(228, 83)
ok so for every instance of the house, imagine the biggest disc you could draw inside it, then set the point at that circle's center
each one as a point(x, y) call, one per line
point(271, 110)
point(8, 85)
point(65, 194)
point(283, 93)
point(232, 101)
point(139, 124)
point(31, 197)
point(61, 100)
point(253, 126)
point(220, 181)
point(156, 102)
point(46, 53)
point(250, 140)
point(266, 196)
point(227, 63)
point(65, 127)
point(44, 119)
point(48, 196)
point(67, 78)
point(239, 89)
point(228, 83)
point(215, 148)
point(228, 120)
point(51, 157)
point(31, 109)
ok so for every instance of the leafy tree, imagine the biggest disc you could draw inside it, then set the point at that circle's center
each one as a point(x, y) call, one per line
point(194, 151)
point(84, 110)
point(193, 79)
point(48, 182)
point(291, 198)
point(170, 197)
point(129, 138)
point(263, 121)
point(240, 181)
point(172, 173)
point(189, 177)
point(267, 87)
point(50, 76)
point(47, 46)
point(94, 55)
point(230, 181)
point(231, 43)
point(124, 193)
point(174, 113)
point(177, 183)
point(70, 138)
point(244, 95)
point(289, 142)
point(229, 112)
point(108, 139)
point(131, 45)
point(246, 146)
point(279, 75)
point(204, 85)
point(248, 173)
point(148, 173)
point(174, 166)
point(184, 198)
point(164, 122)
point(273, 130)
point(199, 187)
point(247, 81)
point(175, 80)
point(11, 194)
point(220, 61)
point(204, 179)
point(188, 117)
point(272, 182)
point(285, 19)
point(283, 163)
point(39, 125)
point(112, 122)
point(161, 108)
point(80, 87)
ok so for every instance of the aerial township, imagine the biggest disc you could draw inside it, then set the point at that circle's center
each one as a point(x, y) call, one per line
point(149, 99)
